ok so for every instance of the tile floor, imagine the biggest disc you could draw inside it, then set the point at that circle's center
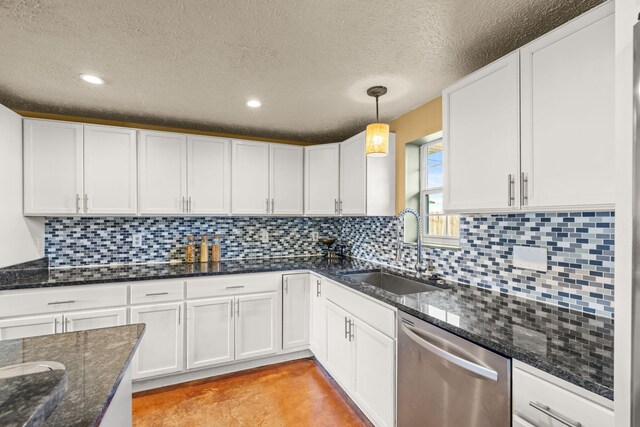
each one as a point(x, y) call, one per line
point(298, 393)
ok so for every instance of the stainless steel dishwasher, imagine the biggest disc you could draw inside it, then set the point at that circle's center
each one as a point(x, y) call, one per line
point(447, 381)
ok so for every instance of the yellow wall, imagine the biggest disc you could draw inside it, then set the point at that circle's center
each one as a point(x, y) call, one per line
point(422, 121)
point(51, 116)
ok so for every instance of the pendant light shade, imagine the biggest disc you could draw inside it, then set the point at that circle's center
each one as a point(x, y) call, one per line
point(377, 139)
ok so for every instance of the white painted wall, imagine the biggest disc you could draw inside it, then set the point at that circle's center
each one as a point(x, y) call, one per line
point(21, 239)
point(627, 353)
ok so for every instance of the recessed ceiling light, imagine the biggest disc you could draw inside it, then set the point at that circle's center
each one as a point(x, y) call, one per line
point(253, 103)
point(95, 80)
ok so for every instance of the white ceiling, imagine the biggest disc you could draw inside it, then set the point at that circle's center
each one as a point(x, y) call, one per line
point(195, 63)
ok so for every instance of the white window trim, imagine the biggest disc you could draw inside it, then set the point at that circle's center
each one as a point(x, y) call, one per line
point(439, 241)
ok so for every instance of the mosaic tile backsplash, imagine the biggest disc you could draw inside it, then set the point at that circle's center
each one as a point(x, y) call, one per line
point(580, 247)
point(88, 241)
point(580, 255)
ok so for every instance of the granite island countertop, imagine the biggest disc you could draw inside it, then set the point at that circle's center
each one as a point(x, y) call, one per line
point(571, 345)
point(95, 361)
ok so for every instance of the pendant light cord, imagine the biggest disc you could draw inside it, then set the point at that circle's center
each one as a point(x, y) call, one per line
point(377, 118)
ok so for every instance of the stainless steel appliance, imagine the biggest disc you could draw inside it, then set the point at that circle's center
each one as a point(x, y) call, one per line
point(447, 381)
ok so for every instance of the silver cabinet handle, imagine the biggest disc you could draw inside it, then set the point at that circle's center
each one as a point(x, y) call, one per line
point(286, 285)
point(272, 205)
point(555, 415)
point(189, 204)
point(346, 331)
point(335, 206)
point(231, 307)
point(235, 287)
point(268, 205)
point(511, 197)
point(238, 308)
point(77, 203)
point(340, 207)
point(184, 204)
point(155, 294)
point(65, 324)
point(318, 289)
point(71, 301)
point(86, 203)
point(524, 190)
point(55, 325)
point(459, 361)
point(350, 330)
point(179, 314)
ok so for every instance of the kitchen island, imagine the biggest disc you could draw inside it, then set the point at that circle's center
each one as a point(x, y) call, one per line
point(98, 379)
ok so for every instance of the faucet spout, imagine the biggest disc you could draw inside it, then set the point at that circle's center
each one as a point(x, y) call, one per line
point(420, 267)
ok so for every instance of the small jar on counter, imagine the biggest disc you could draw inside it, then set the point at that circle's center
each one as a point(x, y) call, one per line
point(190, 251)
point(215, 248)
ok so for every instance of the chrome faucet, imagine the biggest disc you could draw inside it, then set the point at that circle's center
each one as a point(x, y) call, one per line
point(420, 268)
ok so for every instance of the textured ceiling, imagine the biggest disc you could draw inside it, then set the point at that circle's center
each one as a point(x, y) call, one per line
point(194, 63)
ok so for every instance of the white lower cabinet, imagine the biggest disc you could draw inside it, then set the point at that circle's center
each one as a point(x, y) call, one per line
point(317, 333)
point(374, 361)
point(255, 325)
point(32, 326)
point(210, 332)
point(362, 361)
point(95, 319)
point(541, 400)
point(295, 310)
point(161, 349)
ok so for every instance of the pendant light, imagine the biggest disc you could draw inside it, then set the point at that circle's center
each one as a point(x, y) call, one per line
point(377, 140)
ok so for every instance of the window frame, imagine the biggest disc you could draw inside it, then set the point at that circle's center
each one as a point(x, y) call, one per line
point(429, 240)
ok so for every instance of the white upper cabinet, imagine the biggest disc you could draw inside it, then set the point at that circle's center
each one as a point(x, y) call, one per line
point(250, 178)
point(353, 176)
point(481, 132)
point(209, 175)
point(110, 170)
point(322, 179)
point(163, 173)
point(568, 114)
point(52, 168)
point(286, 179)
point(533, 130)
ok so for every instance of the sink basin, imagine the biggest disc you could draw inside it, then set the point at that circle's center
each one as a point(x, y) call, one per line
point(394, 284)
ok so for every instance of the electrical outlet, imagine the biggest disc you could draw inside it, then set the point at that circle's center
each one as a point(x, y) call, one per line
point(315, 236)
point(264, 236)
point(136, 242)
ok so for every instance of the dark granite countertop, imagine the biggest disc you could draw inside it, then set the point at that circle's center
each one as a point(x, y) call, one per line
point(95, 363)
point(571, 345)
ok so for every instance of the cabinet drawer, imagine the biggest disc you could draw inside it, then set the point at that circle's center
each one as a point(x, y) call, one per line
point(157, 291)
point(21, 303)
point(379, 316)
point(533, 396)
point(233, 284)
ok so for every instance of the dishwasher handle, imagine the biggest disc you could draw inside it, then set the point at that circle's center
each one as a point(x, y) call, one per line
point(456, 360)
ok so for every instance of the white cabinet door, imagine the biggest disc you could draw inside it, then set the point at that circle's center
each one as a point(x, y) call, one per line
point(295, 310)
point(110, 177)
point(321, 179)
point(374, 373)
point(250, 178)
point(481, 130)
point(161, 349)
point(286, 179)
point(52, 168)
point(162, 173)
point(24, 327)
point(353, 176)
point(209, 170)
point(568, 114)
point(338, 357)
point(318, 334)
point(94, 319)
point(255, 325)
point(210, 331)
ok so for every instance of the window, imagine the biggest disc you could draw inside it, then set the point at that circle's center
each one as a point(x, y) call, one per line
point(437, 228)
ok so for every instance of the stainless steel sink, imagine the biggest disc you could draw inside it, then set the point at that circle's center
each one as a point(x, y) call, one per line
point(395, 284)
